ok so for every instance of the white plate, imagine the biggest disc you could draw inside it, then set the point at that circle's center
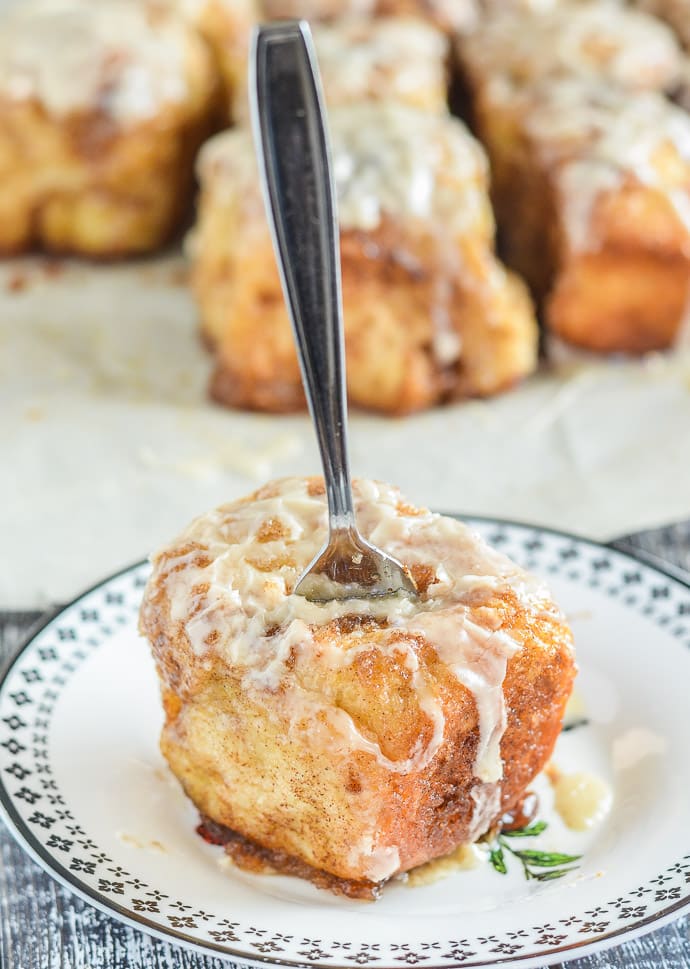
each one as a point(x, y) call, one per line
point(86, 792)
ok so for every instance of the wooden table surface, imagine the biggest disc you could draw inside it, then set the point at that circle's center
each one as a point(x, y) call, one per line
point(43, 926)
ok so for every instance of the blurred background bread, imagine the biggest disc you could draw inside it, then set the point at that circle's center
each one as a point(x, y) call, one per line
point(102, 108)
point(401, 59)
point(430, 313)
point(590, 167)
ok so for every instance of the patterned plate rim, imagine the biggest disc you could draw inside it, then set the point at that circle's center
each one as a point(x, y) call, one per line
point(110, 907)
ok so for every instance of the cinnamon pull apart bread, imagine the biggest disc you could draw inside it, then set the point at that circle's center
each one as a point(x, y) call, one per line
point(430, 314)
point(102, 108)
point(591, 187)
point(350, 741)
point(590, 38)
point(400, 59)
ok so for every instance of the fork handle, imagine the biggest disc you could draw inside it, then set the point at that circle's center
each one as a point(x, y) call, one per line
point(294, 164)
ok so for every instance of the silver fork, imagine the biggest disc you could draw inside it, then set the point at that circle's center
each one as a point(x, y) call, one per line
point(294, 164)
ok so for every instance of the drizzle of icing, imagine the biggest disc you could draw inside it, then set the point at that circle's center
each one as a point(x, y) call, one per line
point(396, 58)
point(582, 800)
point(390, 59)
point(478, 657)
point(595, 138)
point(387, 159)
point(232, 592)
point(72, 55)
point(228, 581)
point(601, 39)
point(487, 804)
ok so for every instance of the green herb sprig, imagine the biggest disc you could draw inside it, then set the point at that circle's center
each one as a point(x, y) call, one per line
point(547, 863)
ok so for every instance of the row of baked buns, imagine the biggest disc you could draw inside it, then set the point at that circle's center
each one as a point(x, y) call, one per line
point(104, 106)
point(430, 313)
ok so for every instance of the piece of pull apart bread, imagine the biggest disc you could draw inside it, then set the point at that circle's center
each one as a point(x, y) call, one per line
point(592, 192)
point(350, 741)
point(102, 108)
point(585, 38)
point(400, 59)
point(590, 169)
point(430, 313)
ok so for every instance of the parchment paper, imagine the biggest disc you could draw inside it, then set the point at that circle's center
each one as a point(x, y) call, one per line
point(109, 445)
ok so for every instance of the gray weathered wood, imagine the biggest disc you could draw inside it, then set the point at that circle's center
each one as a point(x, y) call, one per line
point(43, 926)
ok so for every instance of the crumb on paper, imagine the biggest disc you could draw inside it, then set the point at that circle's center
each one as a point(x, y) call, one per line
point(17, 281)
point(179, 276)
point(52, 267)
point(34, 414)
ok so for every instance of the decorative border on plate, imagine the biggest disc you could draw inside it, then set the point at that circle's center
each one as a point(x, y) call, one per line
point(43, 821)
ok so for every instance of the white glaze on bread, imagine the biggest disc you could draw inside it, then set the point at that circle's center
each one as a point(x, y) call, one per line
point(231, 590)
point(597, 138)
point(588, 38)
point(387, 159)
point(115, 56)
point(403, 55)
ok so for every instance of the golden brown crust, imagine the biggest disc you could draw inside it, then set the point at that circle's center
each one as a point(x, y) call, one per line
point(604, 302)
point(251, 856)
